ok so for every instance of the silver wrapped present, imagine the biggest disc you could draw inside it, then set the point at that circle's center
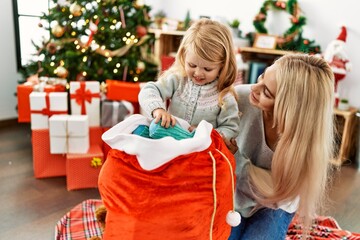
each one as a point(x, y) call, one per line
point(113, 112)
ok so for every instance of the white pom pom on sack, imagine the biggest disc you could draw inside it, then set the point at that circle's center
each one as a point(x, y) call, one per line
point(233, 218)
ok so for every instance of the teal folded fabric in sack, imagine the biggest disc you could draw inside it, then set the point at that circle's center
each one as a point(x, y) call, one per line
point(156, 131)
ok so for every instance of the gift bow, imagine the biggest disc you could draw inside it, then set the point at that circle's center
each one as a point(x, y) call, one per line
point(81, 95)
point(96, 162)
point(46, 110)
point(93, 30)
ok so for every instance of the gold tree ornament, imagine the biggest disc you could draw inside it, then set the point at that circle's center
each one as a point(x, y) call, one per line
point(61, 72)
point(75, 9)
point(140, 66)
point(58, 31)
point(139, 3)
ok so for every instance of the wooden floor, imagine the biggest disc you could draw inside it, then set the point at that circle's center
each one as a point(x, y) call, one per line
point(30, 208)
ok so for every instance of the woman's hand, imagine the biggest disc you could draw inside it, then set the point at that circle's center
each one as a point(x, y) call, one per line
point(166, 118)
point(231, 145)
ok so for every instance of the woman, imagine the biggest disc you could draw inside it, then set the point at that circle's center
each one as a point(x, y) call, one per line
point(284, 147)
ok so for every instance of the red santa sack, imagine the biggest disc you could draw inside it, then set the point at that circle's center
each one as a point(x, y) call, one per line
point(188, 197)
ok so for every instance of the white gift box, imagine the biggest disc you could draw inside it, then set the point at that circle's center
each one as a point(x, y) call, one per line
point(85, 100)
point(43, 105)
point(69, 134)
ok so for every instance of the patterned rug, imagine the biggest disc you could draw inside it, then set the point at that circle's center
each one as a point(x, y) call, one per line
point(324, 228)
point(80, 224)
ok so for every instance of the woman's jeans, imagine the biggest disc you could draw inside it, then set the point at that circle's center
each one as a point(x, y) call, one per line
point(265, 224)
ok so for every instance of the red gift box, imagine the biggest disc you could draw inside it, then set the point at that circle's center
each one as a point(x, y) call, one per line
point(119, 90)
point(46, 164)
point(23, 93)
point(82, 170)
point(106, 147)
point(95, 136)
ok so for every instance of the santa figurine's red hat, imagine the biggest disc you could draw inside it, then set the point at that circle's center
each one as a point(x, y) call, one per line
point(342, 35)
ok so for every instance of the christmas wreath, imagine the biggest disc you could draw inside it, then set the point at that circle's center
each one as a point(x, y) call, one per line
point(297, 21)
point(292, 38)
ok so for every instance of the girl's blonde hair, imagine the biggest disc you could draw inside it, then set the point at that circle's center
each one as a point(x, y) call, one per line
point(211, 41)
point(303, 116)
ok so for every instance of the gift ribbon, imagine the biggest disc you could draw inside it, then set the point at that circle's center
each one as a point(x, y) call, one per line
point(129, 106)
point(46, 84)
point(92, 32)
point(67, 136)
point(122, 17)
point(54, 88)
point(115, 113)
point(46, 111)
point(65, 129)
point(83, 95)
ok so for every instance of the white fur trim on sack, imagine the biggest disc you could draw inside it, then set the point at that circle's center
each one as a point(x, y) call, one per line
point(153, 153)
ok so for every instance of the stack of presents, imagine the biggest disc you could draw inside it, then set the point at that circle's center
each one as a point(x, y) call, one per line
point(67, 125)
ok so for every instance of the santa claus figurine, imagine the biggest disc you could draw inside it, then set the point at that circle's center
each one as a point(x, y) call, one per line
point(337, 58)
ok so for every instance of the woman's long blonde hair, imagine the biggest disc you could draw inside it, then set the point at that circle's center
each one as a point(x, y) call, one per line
point(303, 116)
point(212, 41)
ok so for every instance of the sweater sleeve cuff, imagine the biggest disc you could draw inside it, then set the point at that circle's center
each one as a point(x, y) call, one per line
point(152, 106)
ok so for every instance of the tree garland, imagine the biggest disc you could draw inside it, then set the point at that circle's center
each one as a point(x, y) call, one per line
point(292, 38)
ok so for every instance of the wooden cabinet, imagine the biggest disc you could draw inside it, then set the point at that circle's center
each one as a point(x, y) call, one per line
point(261, 55)
point(166, 42)
point(345, 135)
point(256, 60)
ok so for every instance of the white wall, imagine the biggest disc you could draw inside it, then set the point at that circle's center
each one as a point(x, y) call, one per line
point(323, 25)
point(324, 19)
point(8, 69)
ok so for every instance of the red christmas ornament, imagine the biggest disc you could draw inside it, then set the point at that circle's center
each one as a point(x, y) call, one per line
point(80, 77)
point(260, 17)
point(51, 48)
point(306, 42)
point(141, 30)
point(294, 20)
point(100, 71)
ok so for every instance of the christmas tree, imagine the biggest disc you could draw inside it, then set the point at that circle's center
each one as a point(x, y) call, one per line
point(96, 40)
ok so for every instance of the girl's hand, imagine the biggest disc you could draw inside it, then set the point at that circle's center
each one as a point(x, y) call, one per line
point(191, 128)
point(166, 118)
point(231, 145)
